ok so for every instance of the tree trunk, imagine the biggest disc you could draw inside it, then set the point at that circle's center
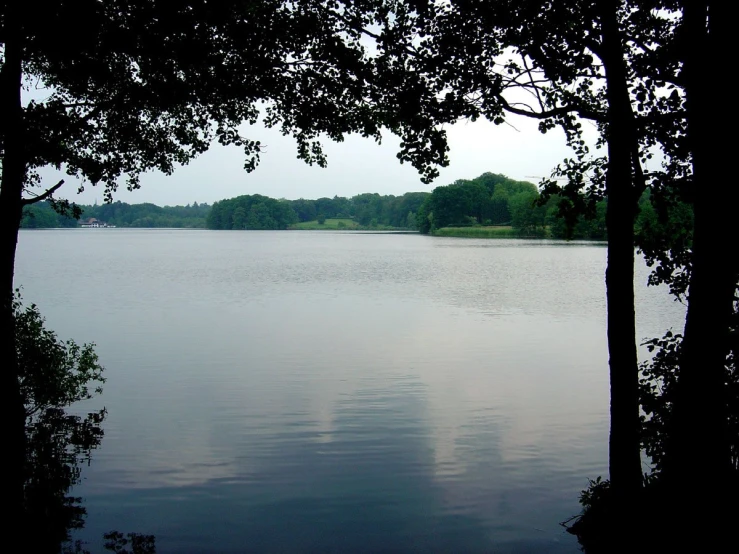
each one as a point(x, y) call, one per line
point(624, 456)
point(13, 172)
point(699, 464)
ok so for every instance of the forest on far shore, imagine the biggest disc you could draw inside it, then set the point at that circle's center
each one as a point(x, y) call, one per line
point(119, 214)
point(489, 205)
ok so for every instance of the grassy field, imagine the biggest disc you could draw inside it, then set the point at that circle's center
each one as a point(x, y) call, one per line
point(338, 224)
point(328, 225)
point(498, 232)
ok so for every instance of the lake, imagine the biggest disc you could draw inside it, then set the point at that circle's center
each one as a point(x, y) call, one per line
point(337, 392)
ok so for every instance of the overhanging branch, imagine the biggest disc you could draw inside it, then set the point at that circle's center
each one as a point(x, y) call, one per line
point(554, 112)
point(43, 196)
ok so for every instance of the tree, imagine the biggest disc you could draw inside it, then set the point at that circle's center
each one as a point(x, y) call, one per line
point(326, 206)
point(160, 102)
point(500, 213)
point(321, 219)
point(138, 86)
point(54, 375)
point(42, 215)
point(698, 437)
point(425, 217)
point(239, 218)
point(668, 45)
point(486, 199)
point(526, 216)
point(572, 58)
point(411, 221)
point(305, 209)
point(260, 218)
point(251, 212)
point(700, 431)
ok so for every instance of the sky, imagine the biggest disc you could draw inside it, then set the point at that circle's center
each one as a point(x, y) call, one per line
point(357, 165)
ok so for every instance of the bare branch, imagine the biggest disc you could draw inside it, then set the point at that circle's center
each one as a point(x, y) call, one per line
point(44, 196)
point(554, 112)
point(531, 80)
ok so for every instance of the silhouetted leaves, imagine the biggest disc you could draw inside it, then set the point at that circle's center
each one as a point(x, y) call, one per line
point(54, 375)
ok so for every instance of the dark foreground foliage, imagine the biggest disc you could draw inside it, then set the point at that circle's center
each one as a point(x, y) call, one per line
point(600, 529)
point(54, 376)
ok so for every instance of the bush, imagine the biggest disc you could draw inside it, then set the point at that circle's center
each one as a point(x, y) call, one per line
point(53, 376)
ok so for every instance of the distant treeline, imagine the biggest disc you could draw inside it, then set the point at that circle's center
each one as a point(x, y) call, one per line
point(42, 216)
point(463, 208)
point(489, 199)
point(120, 214)
point(368, 210)
point(495, 200)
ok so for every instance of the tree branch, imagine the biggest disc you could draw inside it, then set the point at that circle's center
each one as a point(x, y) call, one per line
point(531, 80)
point(44, 196)
point(562, 110)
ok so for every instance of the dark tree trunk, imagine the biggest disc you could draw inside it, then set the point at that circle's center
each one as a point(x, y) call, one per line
point(624, 456)
point(13, 172)
point(698, 466)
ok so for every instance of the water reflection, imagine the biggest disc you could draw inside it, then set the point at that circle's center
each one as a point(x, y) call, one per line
point(319, 392)
point(371, 484)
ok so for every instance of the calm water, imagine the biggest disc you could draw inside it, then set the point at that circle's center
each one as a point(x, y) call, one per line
point(319, 392)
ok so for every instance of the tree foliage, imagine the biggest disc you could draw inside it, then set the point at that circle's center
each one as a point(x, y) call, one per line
point(132, 87)
point(261, 212)
point(255, 212)
point(484, 200)
point(44, 216)
point(55, 375)
point(105, 91)
point(119, 214)
point(140, 86)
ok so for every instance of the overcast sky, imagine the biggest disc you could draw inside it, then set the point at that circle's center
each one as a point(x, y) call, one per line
point(355, 166)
